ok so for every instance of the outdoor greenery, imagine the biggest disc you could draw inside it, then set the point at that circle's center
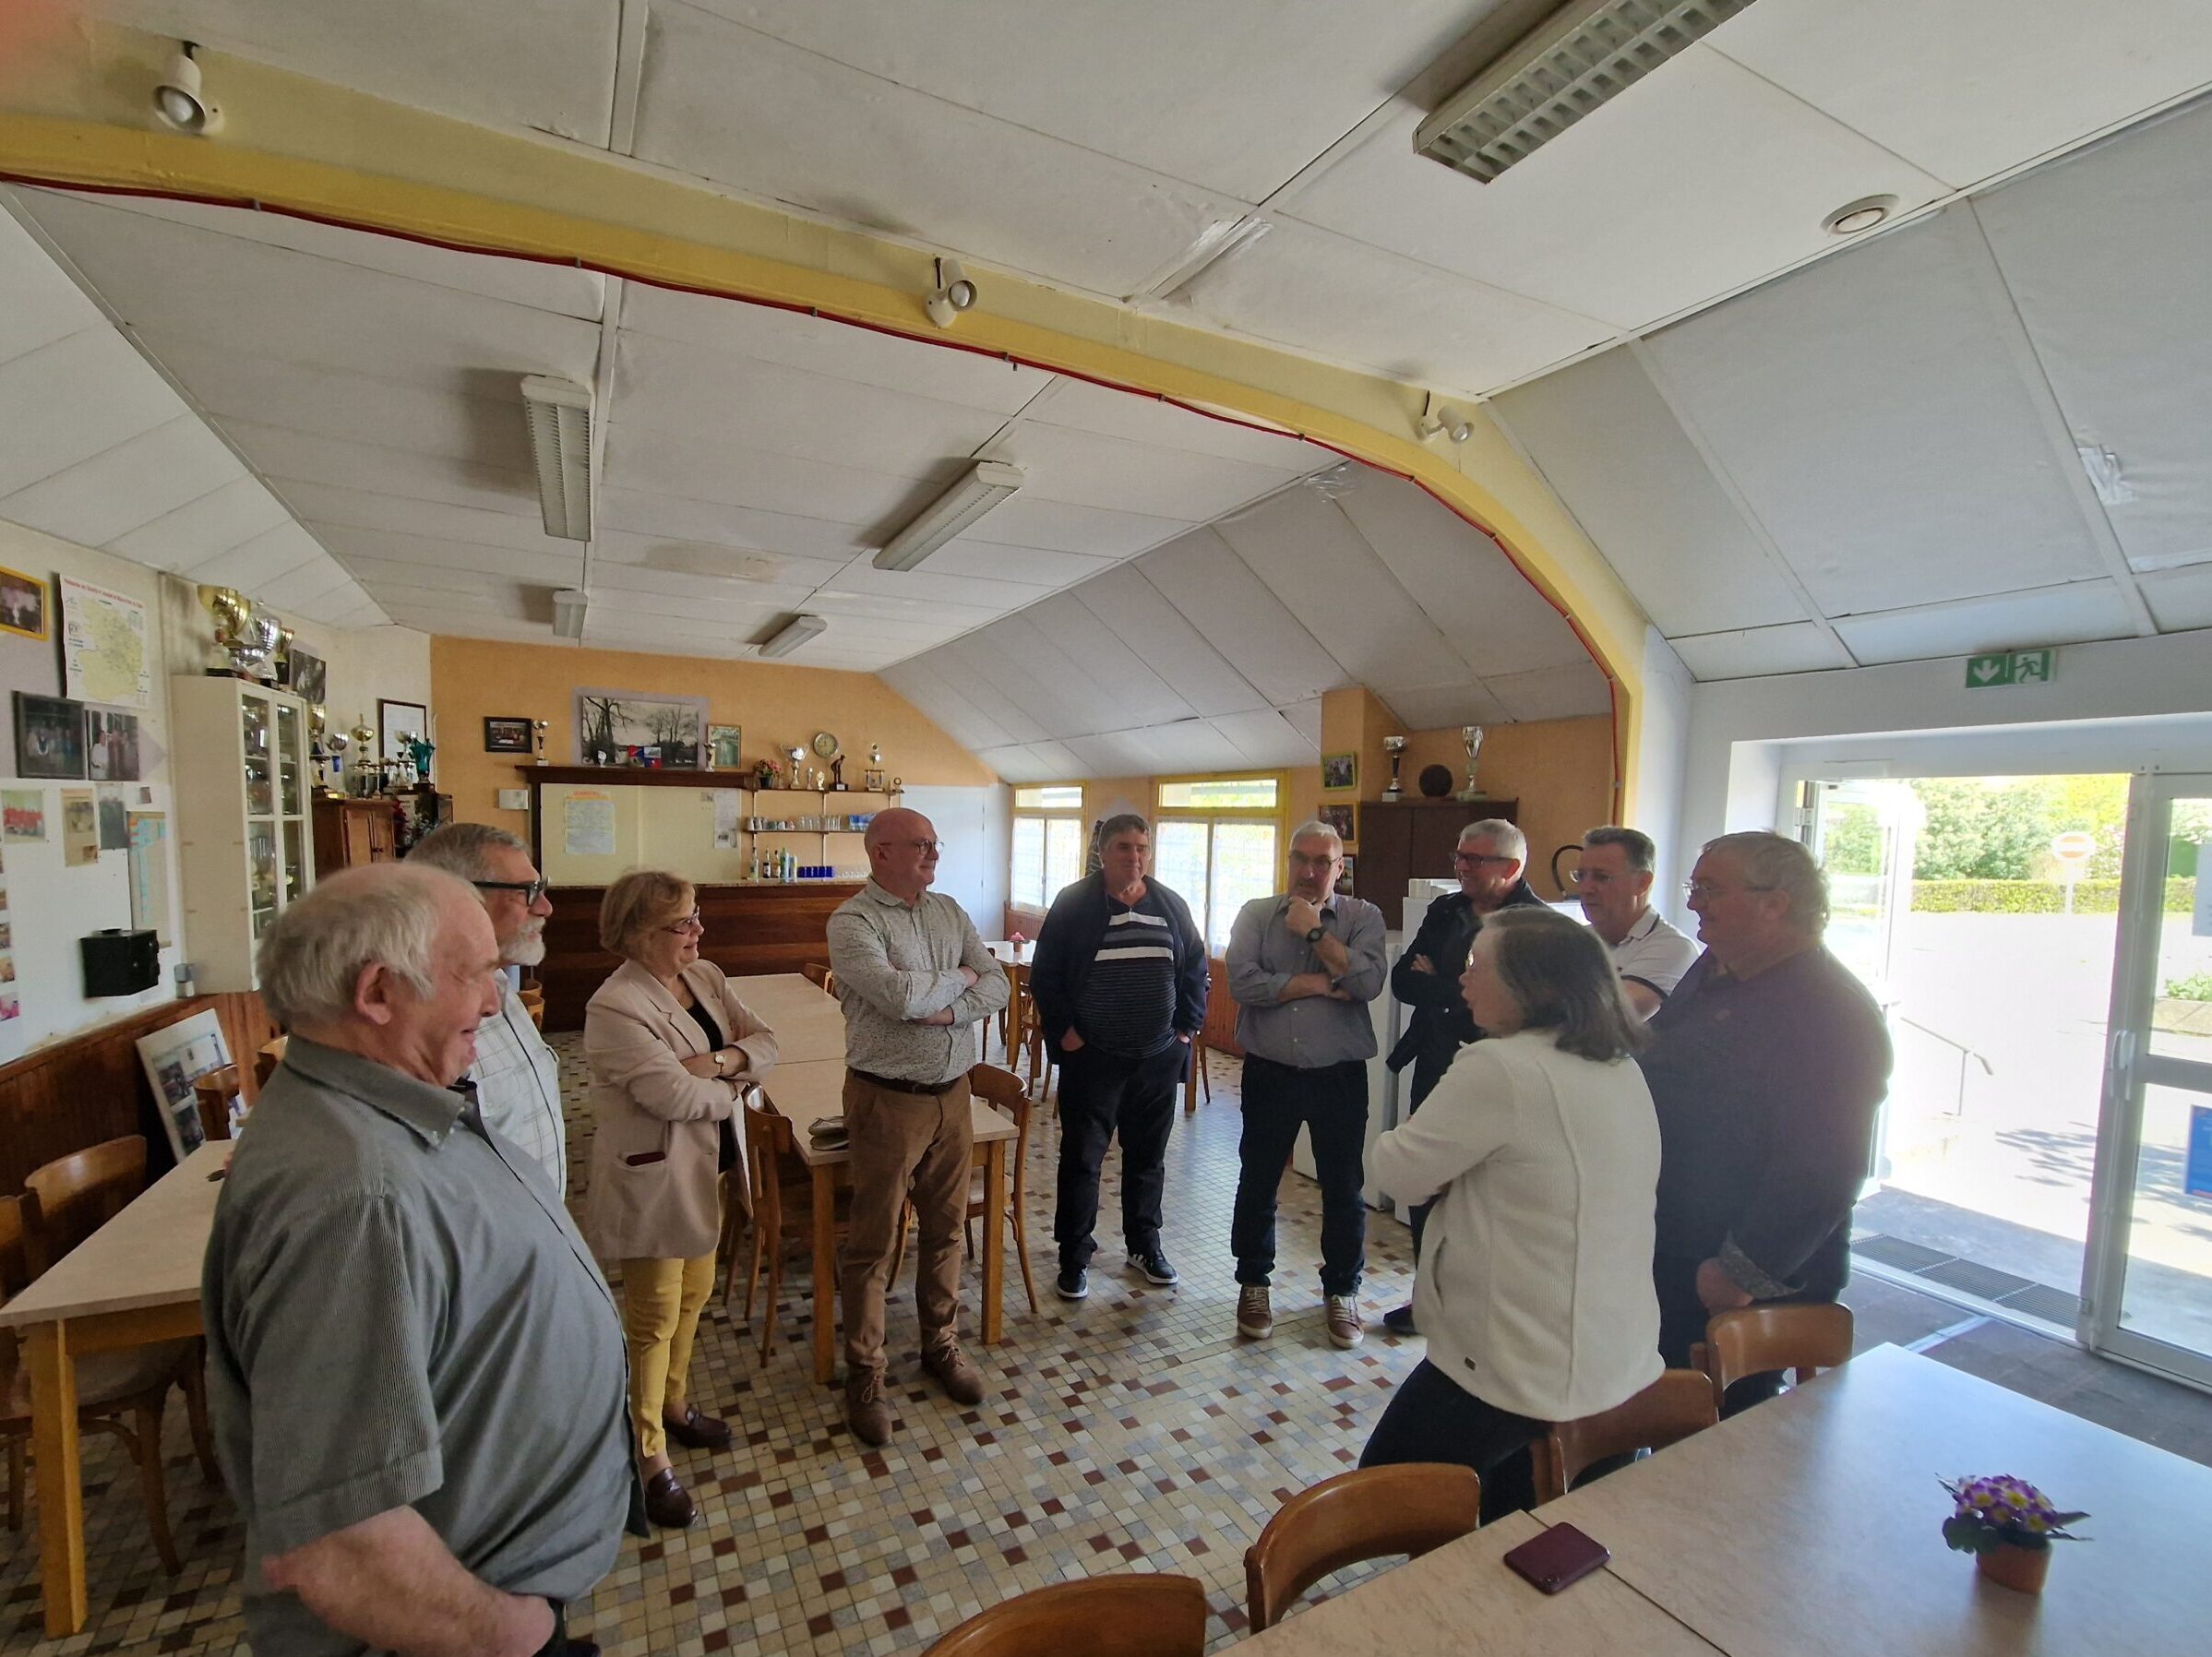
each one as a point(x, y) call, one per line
point(2197, 986)
point(2035, 897)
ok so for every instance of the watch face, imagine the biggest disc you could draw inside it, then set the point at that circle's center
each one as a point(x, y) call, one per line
point(824, 744)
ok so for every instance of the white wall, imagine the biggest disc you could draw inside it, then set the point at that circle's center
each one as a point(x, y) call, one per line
point(975, 825)
point(1663, 756)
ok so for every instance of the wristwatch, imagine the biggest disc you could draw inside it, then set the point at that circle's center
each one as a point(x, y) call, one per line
point(719, 1073)
point(1315, 935)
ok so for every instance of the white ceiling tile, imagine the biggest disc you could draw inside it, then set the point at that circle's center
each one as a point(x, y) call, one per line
point(196, 531)
point(1030, 566)
point(863, 578)
point(39, 302)
point(1754, 652)
point(873, 606)
point(1190, 745)
point(1161, 637)
point(1028, 519)
point(700, 466)
point(920, 679)
point(132, 483)
point(1016, 763)
point(1140, 418)
point(1233, 609)
point(1335, 297)
point(1553, 693)
point(389, 574)
point(1113, 473)
point(284, 457)
point(354, 546)
point(1130, 692)
point(90, 391)
point(1305, 720)
point(522, 529)
point(628, 515)
point(2179, 599)
point(1605, 441)
point(1873, 416)
point(252, 565)
point(978, 679)
point(733, 105)
point(1971, 86)
point(309, 586)
point(1437, 707)
point(2068, 614)
point(1065, 698)
point(1698, 179)
point(1266, 737)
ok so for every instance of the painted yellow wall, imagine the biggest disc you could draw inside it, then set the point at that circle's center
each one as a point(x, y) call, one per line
point(471, 679)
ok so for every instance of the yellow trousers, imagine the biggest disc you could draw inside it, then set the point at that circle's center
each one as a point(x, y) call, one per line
point(661, 1303)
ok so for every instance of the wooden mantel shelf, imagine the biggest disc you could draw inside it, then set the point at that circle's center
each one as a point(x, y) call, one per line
point(631, 776)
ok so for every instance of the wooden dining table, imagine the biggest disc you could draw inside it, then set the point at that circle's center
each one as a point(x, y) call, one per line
point(805, 1094)
point(133, 1282)
point(808, 1022)
point(1017, 962)
point(1812, 1525)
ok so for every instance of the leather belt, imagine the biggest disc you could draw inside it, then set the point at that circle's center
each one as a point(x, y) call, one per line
point(899, 1084)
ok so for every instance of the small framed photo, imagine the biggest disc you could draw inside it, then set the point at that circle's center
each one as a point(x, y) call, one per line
point(1343, 875)
point(724, 746)
point(1343, 819)
point(22, 604)
point(49, 736)
point(871, 782)
point(507, 735)
point(308, 675)
point(1339, 770)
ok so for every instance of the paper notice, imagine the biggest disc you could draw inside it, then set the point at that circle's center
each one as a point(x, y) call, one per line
point(588, 824)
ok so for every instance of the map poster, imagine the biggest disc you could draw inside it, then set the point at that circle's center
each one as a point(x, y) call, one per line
point(149, 833)
point(103, 646)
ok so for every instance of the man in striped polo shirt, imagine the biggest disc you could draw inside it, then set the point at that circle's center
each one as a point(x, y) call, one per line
point(1119, 983)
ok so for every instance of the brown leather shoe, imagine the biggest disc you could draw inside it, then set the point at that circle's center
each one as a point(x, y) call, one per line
point(867, 1412)
point(699, 1432)
point(1346, 1328)
point(667, 1503)
point(1255, 1315)
point(962, 1380)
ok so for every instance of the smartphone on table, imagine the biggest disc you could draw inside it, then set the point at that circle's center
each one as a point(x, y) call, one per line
point(1561, 1557)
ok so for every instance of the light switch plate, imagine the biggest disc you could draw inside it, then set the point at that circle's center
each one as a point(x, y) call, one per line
point(514, 799)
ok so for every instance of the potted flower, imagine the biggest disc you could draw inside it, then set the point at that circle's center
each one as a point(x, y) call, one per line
point(2008, 1525)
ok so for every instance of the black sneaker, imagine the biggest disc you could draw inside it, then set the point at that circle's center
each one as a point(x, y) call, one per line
point(1400, 1322)
point(1074, 1284)
point(1154, 1264)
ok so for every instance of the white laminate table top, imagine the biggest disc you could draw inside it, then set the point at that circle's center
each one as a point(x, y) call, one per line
point(146, 1256)
point(810, 1024)
point(805, 1093)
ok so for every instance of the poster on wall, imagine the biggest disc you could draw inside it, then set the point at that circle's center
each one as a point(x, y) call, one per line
point(588, 824)
point(148, 832)
point(729, 820)
point(80, 827)
point(10, 1008)
point(23, 812)
point(112, 746)
point(175, 1057)
point(105, 658)
point(115, 818)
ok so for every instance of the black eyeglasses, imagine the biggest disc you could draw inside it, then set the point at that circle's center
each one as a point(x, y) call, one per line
point(1478, 858)
point(531, 890)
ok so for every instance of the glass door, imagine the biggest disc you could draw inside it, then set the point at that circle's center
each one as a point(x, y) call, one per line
point(2150, 1269)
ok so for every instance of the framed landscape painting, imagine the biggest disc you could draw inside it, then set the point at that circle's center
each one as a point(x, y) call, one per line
point(619, 727)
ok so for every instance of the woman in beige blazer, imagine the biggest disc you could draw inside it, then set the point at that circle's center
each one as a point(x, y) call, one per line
point(671, 1050)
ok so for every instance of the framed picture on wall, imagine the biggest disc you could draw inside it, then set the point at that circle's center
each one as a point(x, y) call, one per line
point(725, 747)
point(1344, 878)
point(1339, 770)
point(308, 674)
point(397, 723)
point(616, 727)
point(1342, 819)
point(110, 746)
point(49, 736)
point(22, 604)
point(507, 735)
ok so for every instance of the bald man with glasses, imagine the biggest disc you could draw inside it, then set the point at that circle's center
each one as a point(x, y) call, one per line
point(1491, 862)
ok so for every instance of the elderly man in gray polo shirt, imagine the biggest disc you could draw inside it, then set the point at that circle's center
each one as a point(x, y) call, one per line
point(416, 1372)
point(914, 979)
point(1302, 967)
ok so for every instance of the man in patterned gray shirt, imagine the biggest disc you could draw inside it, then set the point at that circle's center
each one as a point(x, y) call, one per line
point(518, 1078)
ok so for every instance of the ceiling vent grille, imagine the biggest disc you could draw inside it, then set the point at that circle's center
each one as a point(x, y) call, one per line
point(1585, 54)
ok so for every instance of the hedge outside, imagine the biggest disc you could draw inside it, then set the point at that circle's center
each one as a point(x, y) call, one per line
point(2036, 896)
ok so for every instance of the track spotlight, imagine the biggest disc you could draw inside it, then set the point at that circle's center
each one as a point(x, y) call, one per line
point(953, 295)
point(1434, 419)
point(179, 100)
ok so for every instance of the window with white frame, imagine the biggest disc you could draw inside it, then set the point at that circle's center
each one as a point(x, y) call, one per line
point(1214, 841)
point(1048, 844)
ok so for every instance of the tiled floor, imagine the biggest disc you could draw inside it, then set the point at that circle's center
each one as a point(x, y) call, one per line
point(1132, 1431)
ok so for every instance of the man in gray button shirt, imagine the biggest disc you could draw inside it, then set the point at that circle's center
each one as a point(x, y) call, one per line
point(1302, 968)
point(416, 1372)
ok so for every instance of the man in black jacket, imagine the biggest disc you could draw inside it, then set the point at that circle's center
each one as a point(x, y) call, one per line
point(1119, 983)
point(1491, 862)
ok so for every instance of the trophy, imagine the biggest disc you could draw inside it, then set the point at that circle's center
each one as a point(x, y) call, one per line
point(244, 635)
point(537, 733)
point(334, 746)
point(1395, 747)
point(1472, 736)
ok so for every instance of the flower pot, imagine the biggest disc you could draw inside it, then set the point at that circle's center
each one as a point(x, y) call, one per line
point(2022, 1570)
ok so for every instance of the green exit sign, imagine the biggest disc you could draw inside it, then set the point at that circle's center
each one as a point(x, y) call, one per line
point(2011, 667)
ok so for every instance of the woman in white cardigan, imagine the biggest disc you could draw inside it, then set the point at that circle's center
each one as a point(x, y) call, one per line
point(1541, 1152)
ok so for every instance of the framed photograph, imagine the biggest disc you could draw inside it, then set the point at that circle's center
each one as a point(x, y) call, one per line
point(871, 782)
point(49, 736)
point(22, 604)
point(506, 736)
point(617, 727)
point(1344, 878)
point(110, 746)
point(396, 723)
point(1339, 770)
point(309, 674)
point(1342, 819)
point(724, 745)
point(175, 1057)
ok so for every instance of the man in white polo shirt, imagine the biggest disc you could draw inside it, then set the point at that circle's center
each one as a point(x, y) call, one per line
point(1614, 884)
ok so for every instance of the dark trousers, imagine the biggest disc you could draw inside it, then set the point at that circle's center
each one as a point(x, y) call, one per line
point(1682, 1318)
point(1425, 1077)
point(1432, 1418)
point(1330, 1101)
point(1101, 1095)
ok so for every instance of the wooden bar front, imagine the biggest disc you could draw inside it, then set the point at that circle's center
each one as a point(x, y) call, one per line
point(751, 928)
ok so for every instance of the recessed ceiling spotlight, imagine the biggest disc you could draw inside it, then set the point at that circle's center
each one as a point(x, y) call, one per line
point(953, 295)
point(178, 100)
point(1855, 217)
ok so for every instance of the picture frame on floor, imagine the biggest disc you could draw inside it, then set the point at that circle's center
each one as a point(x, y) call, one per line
point(1339, 770)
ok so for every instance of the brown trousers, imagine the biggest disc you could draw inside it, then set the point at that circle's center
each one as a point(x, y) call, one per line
point(904, 1143)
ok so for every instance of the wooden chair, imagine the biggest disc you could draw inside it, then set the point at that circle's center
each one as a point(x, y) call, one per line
point(1121, 1615)
point(213, 1093)
point(533, 997)
point(121, 1393)
point(1370, 1513)
point(1669, 1411)
point(72, 1196)
point(818, 974)
point(782, 1193)
point(1003, 1089)
point(1804, 1338)
point(266, 1061)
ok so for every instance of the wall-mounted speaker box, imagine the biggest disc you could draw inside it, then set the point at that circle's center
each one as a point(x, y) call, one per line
point(121, 961)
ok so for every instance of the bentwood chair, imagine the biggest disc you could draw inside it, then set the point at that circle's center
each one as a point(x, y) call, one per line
point(1121, 1615)
point(1369, 1513)
point(1804, 1338)
point(1002, 1089)
point(782, 1208)
point(1669, 1411)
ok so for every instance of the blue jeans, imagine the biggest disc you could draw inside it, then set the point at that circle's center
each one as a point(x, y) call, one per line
point(1331, 1101)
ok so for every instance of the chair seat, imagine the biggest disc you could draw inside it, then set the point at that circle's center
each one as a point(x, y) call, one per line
point(103, 1377)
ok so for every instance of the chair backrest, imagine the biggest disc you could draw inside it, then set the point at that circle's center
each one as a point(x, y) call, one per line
point(1003, 1089)
point(1123, 1616)
point(214, 1092)
point(1369, 1513)
point(266, 1058)
point(1754, 1339)
point(819, 972)
point(74, 1196)
point(1673, 1406)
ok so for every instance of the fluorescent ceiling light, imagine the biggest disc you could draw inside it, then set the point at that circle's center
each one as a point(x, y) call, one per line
point(568, 613)
point(560, 441)
point(793, 633)
point(1582, 56)
point(950, 515)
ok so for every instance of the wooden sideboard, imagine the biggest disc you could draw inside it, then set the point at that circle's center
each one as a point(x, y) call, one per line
point(350, 833)
point(1414, 839)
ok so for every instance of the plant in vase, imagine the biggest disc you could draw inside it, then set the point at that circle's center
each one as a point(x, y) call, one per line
point(2008, 1525)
